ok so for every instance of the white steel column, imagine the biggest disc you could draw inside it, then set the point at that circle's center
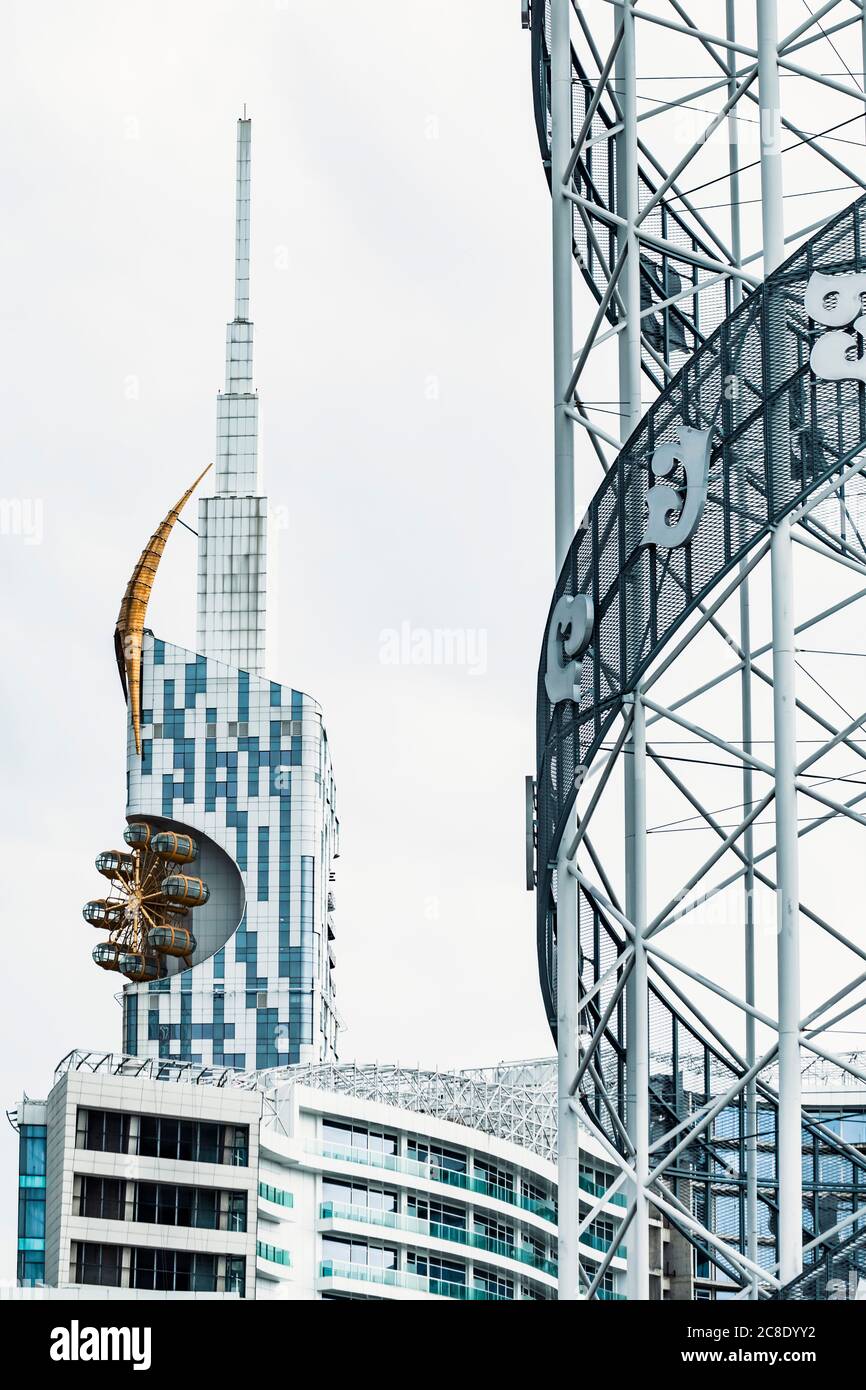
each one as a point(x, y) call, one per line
point(568, 1161)
point(561, 134)
point(627, 189)
point(637, 1019)
point(787, 910)
point(789, 1121)
point(750, 1212)
point(770, 106)
point(568, 1139)
point(637, 1005)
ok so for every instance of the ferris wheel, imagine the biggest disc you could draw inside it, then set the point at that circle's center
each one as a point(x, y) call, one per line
point(147, 911)
point(698, 803)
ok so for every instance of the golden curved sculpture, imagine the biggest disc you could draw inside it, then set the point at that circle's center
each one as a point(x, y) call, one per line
point(129, 632)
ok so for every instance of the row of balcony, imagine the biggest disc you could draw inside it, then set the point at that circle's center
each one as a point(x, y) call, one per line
point(459, 1234)
point(419, 1283)
point(403, 1279)
point(375, 1158)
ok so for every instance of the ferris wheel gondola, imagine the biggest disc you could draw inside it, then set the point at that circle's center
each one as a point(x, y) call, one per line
point(149, 901)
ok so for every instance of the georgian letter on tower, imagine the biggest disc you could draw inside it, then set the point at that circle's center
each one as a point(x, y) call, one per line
point(568, 637)
point(692, 453)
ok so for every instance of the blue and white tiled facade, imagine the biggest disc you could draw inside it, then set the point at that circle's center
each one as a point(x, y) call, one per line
point(243, 764)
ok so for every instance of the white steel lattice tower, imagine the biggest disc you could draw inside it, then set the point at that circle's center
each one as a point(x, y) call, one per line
point(698, 726)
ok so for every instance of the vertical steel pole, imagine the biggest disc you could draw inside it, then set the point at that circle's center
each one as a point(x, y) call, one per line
point(789, 1141)
point(568, 1151)
point(634, 768)
point(770, 106)
point(751, 1115)
point(628, 191)
point(562, 134)
point(637, 1003)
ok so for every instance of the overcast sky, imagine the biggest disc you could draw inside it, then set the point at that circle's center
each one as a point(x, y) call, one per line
point(400, 292)
point(401, 299)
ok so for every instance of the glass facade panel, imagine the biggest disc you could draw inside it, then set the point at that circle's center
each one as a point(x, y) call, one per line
point(31, 1204)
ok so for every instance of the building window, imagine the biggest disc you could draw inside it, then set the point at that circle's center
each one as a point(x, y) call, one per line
point(534, 1191)
point(31, 1150)
point(445, 1160)
point(493, 1284)
point(31, 1204)
point(276, 1194)
point(106, 1131)
point(118, 1266)
point(153, 1136)
point(439, 1214)
point(446, 1277)
point(603, 1232)
point(375, 1142)
point(273, 1253)
point(358, 1195)
point(98, 1264)
point(491, 1229)
point(166, 1204)
point(102, 1198)
point(358, 1252)
point(493, 1176)
point(31, 1214)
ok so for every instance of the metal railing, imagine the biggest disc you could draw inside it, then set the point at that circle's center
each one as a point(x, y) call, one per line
point(402, 1279)
point(395, 1221)
point(393, 1163)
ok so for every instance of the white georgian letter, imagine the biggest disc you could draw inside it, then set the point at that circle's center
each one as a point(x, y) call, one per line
point(568, 637)
point(692, 453)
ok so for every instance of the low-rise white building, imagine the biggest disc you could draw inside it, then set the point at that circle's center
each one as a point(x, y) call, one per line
point(306, 1183)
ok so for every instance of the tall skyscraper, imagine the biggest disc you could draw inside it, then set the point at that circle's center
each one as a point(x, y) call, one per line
point(241, 765)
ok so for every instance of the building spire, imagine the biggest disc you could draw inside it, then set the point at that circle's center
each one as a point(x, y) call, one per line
point(242, 220)
point(232, 570)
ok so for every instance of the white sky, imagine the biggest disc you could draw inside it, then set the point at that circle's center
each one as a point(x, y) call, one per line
point(400, 251)
point(401, 298)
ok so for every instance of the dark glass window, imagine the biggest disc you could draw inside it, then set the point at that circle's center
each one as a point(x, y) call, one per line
point(493, 1176)
point(440, 1272)
point(491, 1229)
point(148, 1136)
point(496, 1285)
point(98, 1264)
point(358, 1252)
point(354, 1194)
point(447, 1160)
point(176, 1205)
point(359, 1137)
point(103, 1198)
point(209, 1149)
point(189, 1141)
point(437, 1213)
point(105, 1131)
point(184, 1270)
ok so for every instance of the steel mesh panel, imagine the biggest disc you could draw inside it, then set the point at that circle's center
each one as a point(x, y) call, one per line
point(642, 595)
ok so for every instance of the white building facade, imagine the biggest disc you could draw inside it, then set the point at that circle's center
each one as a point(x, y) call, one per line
point(309, 1183)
